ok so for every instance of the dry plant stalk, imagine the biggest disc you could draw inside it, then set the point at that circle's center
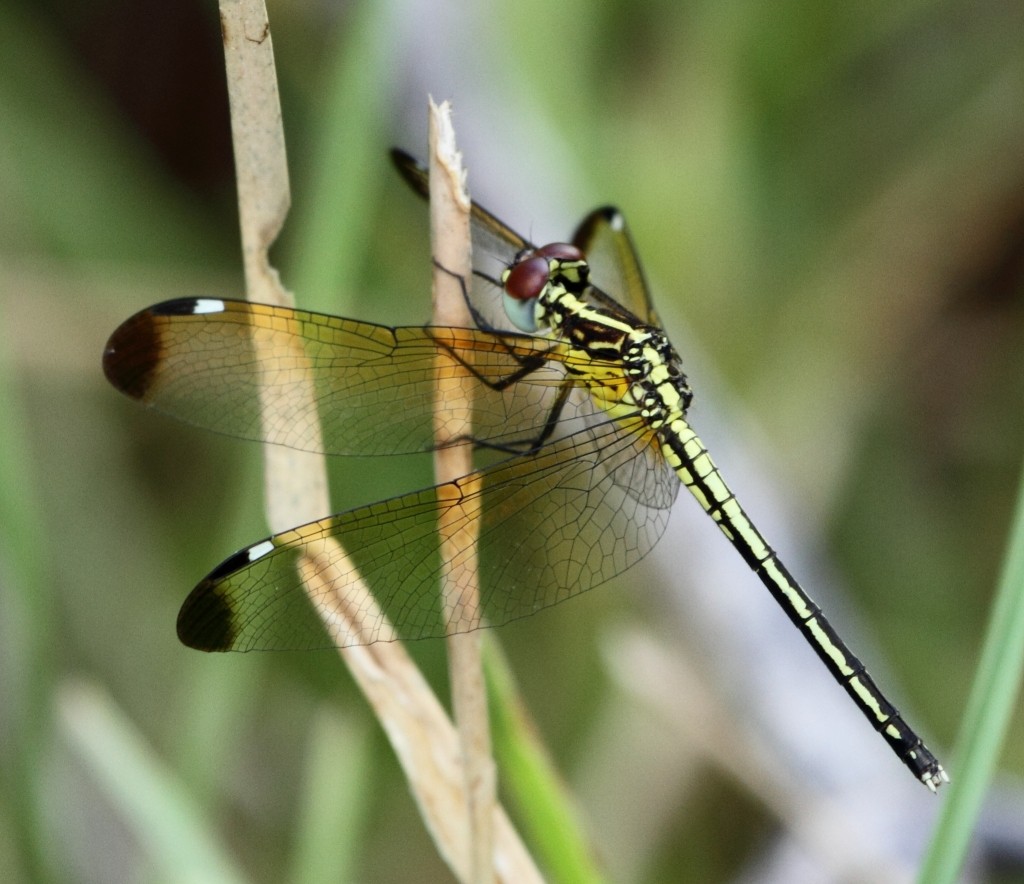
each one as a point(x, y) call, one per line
point(296, 481)
point(420, 732)
point(459, 519)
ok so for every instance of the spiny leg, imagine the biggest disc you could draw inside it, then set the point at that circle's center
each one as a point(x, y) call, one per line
point(527, 366)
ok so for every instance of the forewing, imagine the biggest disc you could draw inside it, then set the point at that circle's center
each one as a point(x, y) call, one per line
point(490, 234)
point(615, 270)
point(247, 370)
point(495, 245)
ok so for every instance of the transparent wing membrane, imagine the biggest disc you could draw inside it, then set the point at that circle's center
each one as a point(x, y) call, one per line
point(553, 524)
point(206, 363)
point(604, 238)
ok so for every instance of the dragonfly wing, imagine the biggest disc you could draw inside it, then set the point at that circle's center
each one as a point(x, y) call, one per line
point(495, 245)
point(490, 234)
point(316, 382)
point(552, 525)
point(604, 238)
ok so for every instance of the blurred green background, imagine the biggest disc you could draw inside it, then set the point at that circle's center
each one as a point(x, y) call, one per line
point(829, 199)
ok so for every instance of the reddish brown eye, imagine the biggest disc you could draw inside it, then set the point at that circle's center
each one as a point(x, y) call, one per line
point(562, 250)
point(527, 279)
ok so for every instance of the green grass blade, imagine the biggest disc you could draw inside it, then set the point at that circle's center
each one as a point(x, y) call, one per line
point(169, 824)
point(544, 809)
point(992, 701)
point(328, 227)
point(26, 627)
point(334, 813)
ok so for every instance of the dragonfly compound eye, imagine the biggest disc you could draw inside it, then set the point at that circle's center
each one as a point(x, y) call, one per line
point(562, 250)
point(523, 282)
point(526, 280)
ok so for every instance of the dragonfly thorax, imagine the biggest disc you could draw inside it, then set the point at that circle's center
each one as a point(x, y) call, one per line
point(548, 288)
point(658, 385)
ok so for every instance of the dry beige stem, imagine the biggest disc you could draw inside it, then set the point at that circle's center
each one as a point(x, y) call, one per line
point(296, 481)
point(458, 523)
point(420, 732)
point(427, 746)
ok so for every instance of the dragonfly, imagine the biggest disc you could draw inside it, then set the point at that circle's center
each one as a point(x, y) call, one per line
point(579, 403)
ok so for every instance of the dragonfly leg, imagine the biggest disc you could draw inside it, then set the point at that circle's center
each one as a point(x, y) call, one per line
point(531, 446)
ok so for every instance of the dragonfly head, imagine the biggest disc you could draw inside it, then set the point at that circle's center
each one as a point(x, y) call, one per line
point(533, 271)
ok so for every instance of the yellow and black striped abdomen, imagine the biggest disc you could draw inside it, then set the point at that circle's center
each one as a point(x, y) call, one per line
point(690, 459)
point(637, 373)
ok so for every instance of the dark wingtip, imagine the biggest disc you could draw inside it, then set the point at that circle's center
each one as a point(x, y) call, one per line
point(404, 160)
point(606, 216)
point(132, 355)
point(414, 172)
point(186, 307)
point(134, 352)
point(205, 621)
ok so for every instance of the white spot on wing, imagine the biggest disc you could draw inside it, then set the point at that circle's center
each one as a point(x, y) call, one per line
point(208, 305)
point(259, 550)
